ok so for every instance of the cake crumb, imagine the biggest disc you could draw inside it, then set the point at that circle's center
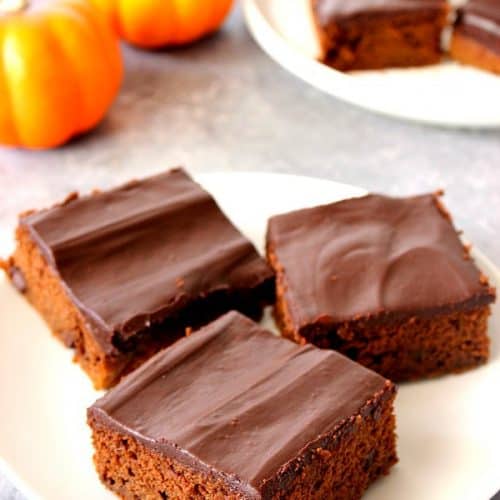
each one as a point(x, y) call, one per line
point(25, 213)
point(467, 250)
point(483, 279)
point(71, 197)
point(326, 454)
point(444, 211)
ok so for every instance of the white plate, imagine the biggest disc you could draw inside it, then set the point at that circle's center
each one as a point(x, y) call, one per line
point(446, 94)
point(449, 438)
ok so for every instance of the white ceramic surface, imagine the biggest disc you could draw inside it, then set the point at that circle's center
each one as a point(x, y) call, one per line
point(449, 439)
point(447, 94)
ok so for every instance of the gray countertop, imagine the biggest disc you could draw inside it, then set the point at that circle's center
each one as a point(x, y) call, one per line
point(223, 105)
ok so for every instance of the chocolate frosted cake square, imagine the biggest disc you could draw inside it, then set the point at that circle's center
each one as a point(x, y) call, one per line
point(235, 412)
point(119, 274)
point(385, 281)
point(367, 34)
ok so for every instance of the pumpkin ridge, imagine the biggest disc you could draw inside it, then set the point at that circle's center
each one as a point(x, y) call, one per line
point(57, 133)
point(8, 103)
point(112, 46)
point(72, 114)
point(69, 8)
point(7, 43)
point(83, 112)
point(91, 34)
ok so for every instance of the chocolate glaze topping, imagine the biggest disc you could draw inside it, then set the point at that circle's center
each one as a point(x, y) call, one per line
point(236, 401)
point(328, 11)
point(372, 256)
point(480, 19)
point(132, 256)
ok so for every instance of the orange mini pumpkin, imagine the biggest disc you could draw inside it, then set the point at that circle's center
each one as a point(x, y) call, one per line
point(60, 69)
point(161, 23)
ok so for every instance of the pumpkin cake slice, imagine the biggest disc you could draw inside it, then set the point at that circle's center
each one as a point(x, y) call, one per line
point(476, 36)
point(235, 412)
point(385, 281)
point(377, 34)
point(117, 275)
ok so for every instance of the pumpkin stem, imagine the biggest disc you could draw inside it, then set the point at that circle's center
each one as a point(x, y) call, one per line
point(13, 6)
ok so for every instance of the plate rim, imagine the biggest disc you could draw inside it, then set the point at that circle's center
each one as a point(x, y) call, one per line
point(283, 54)
point(15, 480)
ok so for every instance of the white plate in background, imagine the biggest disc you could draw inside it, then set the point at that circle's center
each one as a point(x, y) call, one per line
point(449, 437)
point(446, 94)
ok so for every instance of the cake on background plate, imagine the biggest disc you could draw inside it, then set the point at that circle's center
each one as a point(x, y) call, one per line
point(235, 412)
point(377, 34)
point(476, 36)
point(385, 281)
point(118, 275)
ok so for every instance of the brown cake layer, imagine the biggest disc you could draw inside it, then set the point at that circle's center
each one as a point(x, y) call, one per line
point(285, 421)
point(118, 275)
point(367, 34)
point(385, 281)
point(476, 36)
